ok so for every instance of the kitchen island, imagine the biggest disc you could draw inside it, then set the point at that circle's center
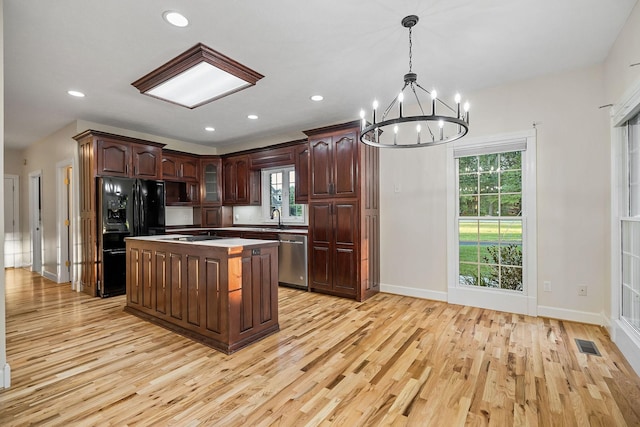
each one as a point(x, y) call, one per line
point(221, 292)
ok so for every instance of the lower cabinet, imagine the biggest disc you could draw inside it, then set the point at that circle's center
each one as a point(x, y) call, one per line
point(226, 298)
point(333, 242)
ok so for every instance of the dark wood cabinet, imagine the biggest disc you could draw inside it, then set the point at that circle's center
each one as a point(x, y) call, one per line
point(217, 216)
point(333, 232)
point(344, 229)
point(333, 165)
point(241, 185)
point(177, 166)
point(126, 159)
point(211, 180)
point(224, 297)
point(301, 156)
point(272, 157)
point(105, 154)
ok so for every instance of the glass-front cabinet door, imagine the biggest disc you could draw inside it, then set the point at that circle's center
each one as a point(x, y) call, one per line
point(211, 181)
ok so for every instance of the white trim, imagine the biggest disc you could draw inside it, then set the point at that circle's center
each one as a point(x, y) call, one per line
point(573, 315)
point(413, 292)
point(628, 342)
point(32, 226)
point(49, 275)
point(5, 376)
point(17, 256)
point(266, 196)
point(625, 337)
point(525, 303)
point(62, 202)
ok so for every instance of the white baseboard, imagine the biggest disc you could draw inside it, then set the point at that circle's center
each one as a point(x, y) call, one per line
point(413, 292)
point(51, 276)
point(573, 315)
point(5, 376)
point(628, 342)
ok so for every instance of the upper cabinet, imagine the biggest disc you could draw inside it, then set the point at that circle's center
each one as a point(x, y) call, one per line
point(177, 166)
point(333, 165)
point(211, 180)
point(125, 157)
point(301, 155)
point(241, 185)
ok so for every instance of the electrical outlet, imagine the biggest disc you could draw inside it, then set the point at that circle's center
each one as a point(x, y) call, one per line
point(547, 286)
point(582, 290)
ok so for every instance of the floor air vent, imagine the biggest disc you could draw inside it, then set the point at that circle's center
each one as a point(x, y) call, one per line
point(588, 347)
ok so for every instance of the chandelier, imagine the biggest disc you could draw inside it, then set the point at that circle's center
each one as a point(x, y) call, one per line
point(416, 129)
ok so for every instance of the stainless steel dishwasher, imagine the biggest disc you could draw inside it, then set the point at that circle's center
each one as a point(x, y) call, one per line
point(292, 260)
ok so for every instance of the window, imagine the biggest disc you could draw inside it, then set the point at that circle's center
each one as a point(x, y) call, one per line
point(490, 220)
point(278, 193)
point(491, 226)
point(630, 231)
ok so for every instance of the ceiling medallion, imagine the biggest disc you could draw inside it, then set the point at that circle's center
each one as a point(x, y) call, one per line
point(444, 124)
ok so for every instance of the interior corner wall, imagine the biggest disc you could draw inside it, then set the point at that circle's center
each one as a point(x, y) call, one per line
point(5, 379)
point(572, 194)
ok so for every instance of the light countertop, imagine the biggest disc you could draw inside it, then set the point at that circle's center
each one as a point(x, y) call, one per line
point(248, 228)
point(231, 242)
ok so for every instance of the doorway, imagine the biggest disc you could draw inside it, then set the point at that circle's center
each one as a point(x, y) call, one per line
point(12, 243)
point(35, 220)
point(64, 223)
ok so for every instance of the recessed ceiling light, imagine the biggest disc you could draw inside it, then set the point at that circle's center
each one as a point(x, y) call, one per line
point(196, 77)
point(76, 93)
point(175, 18)
point(209, 129)
point(252, 116)
point(317, 98)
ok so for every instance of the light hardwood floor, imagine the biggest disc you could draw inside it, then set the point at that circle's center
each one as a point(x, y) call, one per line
point(391, 360)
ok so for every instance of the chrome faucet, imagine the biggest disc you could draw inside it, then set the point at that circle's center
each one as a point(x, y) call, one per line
point(273, 211)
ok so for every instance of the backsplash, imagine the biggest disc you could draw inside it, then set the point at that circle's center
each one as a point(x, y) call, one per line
point(178, 215)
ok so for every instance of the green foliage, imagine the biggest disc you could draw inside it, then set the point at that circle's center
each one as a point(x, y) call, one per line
point(500, 260)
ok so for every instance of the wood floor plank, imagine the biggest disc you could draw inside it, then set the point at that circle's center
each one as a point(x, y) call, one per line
point(391, 360)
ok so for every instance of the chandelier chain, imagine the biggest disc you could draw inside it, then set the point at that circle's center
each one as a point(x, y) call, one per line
point(410, 51)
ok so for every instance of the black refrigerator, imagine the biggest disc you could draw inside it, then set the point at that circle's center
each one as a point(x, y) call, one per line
point(127, 207)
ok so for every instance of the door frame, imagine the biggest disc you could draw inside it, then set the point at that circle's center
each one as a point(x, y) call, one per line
point(17, 255)
point(64, 210)
point(35, 223)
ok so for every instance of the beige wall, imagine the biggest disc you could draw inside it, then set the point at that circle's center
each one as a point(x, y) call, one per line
point(572, 192)
point(13, 160)
point(619, 74)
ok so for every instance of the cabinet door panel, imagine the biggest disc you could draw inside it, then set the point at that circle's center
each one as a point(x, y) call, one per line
point(242, 181)
point(321, 267)
point(162, 291)
point(174, 278)
point(113, 158)
point(346, 273)
point(246, 298)
point(133, 276)
point(189, 169)
point(321, 168)
point(345, 165)
point(321, 222)
point(346, 220)
point(146, 284)
point(302, 174)
point(193, 288)
point(146, 161)
point(229, 181)
point(213, 304)
point(169, 167)
point(210, 181)
point(212, 217)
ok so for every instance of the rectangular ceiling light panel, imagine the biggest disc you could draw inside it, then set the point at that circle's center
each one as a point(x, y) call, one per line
point(198, 76)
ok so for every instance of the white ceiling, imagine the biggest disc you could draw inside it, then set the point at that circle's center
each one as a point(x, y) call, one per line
point(348, 51)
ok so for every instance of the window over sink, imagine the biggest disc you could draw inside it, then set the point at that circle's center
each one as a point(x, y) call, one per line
point(278, 194)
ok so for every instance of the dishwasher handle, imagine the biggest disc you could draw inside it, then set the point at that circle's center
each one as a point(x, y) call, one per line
point(293, 242)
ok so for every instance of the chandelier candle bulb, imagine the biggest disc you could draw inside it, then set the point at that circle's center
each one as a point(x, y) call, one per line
point(395, 135)
point(434, 95)
point(375, 107)
point(457, 99)
point(466, 112)
point(418, 129)
point(441, 125)
point(400, 99)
